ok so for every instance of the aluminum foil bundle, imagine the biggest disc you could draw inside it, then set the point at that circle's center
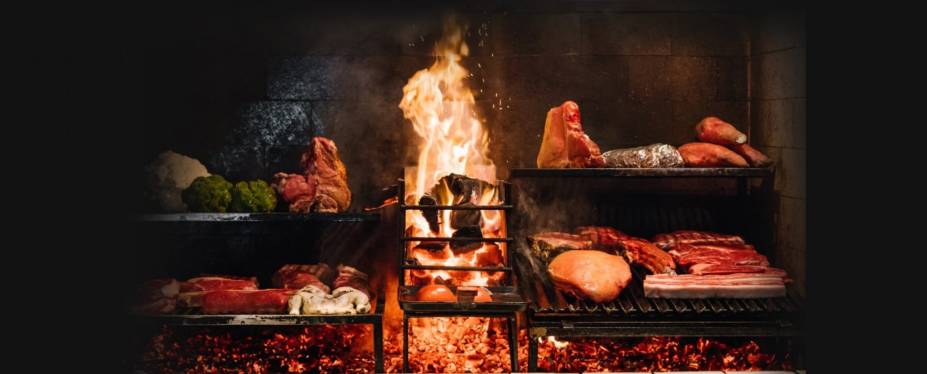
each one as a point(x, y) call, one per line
point(649, 156)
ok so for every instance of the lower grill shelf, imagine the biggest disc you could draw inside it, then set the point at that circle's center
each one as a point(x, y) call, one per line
point(504, 299)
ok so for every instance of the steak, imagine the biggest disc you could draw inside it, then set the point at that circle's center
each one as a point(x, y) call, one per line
point(267, 301)
point(565, 145)
point(193, 290)
point(593, 275)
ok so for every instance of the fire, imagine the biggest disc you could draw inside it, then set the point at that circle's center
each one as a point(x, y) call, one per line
point(452, 140)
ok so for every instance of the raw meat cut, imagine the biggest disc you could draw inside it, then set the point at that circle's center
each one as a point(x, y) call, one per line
point(343, 300)
point(709, 268)
point(296, 190)
point(714, 130)
point(590, 274)
point(547, 245)
point(321, 162)
point(602, 237)
point(649, 156)
point(157, 306)
point(688, 286)
point(265, 301)
point(687, 255)
point(565, 145)
point(435, 293)
point(670, 240)
point(655, 260)
point(296, 276)
point(754, 157)
point(215, 283)
point(323, 186)
point(710, 155)
point(351, 277)
point(193, 290)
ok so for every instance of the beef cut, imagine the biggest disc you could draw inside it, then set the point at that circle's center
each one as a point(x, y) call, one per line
point(602, 237)
point(321, 162)
point(323, 184)
point(710, 155)
point(670, 240)
point(565, 145)
point(192, 290)
point(593, 275)
point(266, 301)
point(643, 252)
point(716, 131)
point(689, 286)
point(687, 255)
point(547, 245)
point(297, 276)
point(351, 277)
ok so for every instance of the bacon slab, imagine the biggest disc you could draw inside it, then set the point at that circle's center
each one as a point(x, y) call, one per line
point(670, 240)
point(739, 286)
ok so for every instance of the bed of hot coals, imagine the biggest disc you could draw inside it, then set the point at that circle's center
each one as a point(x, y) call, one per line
point(319, 349)
point(658, 354)
point(449, 344)
point(455, 344)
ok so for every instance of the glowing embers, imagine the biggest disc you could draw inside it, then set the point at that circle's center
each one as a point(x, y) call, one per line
point(660, 354)
point(322, 349)
point(455, 344)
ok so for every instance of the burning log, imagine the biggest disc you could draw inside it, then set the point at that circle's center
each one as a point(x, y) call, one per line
point(430, 215)
point(464, 246)
point(463, 188)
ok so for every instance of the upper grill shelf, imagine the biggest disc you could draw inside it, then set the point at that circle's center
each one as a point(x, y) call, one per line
point(644, 173)
point(259, 217)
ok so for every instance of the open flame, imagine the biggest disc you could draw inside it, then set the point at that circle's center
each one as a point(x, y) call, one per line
point(439, 104)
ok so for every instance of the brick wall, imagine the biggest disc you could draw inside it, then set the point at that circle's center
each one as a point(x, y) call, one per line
point(778, 108)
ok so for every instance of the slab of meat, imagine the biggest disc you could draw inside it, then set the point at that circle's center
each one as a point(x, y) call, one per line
point(670, 240)
point(547, 245)
point(351, 277)
point(740, 286)
point(648, 156)
point(343, 300)
point(321, 162)
point(754, 157)
point(714, 130)
point(704, 155)
point(655, 260)
point(710, 269)
point(565, 145)
point(687, 255)
point(215, 283)
point(296, 190)
point(192, 290)
point(602, 237)
point(267, 301)
point(297, 276)
point(594, 275)
point(323, 185)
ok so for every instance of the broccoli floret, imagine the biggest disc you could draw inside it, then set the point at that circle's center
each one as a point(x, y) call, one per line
point(208, 194)
point(254, 196)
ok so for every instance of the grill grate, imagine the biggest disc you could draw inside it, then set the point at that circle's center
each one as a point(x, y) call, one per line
point(632, 302)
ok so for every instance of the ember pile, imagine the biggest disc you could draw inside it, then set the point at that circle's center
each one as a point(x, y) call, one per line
point(657, 354)
point(322, 349)
point(455, 344)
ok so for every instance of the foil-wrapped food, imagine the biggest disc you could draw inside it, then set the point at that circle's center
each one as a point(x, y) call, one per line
point(649, 156)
